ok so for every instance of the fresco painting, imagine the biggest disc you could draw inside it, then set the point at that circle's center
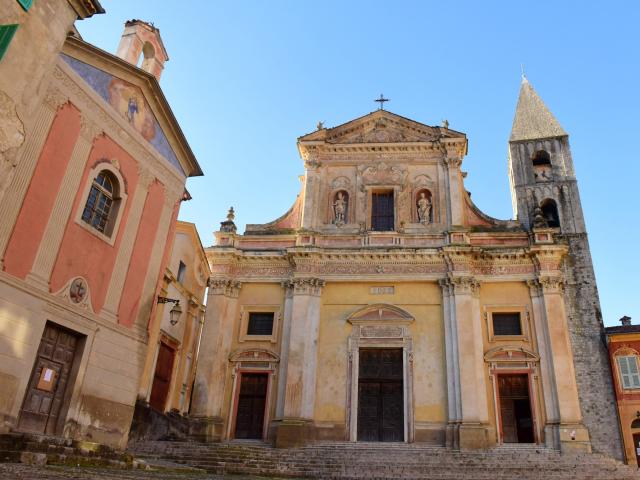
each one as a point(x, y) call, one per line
point(128, 100)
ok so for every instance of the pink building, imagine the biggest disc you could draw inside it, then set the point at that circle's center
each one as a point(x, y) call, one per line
point(87, 215)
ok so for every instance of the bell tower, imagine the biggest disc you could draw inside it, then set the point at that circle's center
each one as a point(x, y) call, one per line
point(142, 46)
point(544, 192)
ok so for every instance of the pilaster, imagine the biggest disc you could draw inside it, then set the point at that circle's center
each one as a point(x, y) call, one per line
point(120, 269)
point(54, 231)
point(155, 259)
point(296, 426)
point(213, 362)
point(454, 180)
point(311, 189)
point(14, 195)
point(284, 349)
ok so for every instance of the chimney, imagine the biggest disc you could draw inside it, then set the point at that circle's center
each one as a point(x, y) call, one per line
point(625, 321)
point(142, 46)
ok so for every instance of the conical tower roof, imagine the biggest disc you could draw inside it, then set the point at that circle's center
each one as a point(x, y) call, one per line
point(533, 119)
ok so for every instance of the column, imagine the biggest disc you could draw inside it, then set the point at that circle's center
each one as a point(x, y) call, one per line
point(549, 391)
point(155, 261)
point(311, 187)
point(454, 403)
point(14, 195)
point(54, 231)
point(573, 435)
point(455, 189)
point(296, 425)
point(284, 350)
point(208, 397)
point(474, 421)
point(121, 266)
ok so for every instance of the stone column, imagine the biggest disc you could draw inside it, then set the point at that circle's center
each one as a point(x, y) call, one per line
point(120, 269)
point(213, 362)
point(311, 188)
point(454, 403)
point(572, 433)
point(284, 349)
point(14, 195)
point(54, 231)
point(549, 391)
point(474, 431)
point(454, 180)
point(296, 425)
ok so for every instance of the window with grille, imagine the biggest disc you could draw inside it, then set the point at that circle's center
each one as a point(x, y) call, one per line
point(382, 211)
point(260, 323)
point(100, 202)
point(506, 323)
point(629, 374)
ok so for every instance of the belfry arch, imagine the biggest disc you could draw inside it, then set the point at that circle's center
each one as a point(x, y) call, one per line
point(380, 328)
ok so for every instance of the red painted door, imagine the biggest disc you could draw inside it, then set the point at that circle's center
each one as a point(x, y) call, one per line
point(162, 377)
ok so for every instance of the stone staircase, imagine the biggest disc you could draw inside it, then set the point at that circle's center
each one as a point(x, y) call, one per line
point(350, 461)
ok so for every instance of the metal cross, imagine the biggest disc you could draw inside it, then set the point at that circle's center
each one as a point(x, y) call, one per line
point(381, 100)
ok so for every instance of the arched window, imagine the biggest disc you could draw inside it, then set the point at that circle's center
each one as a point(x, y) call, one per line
point(541, 158)
point(550, 213)
point(148, 54)
point(635, 423)
point(99, 210)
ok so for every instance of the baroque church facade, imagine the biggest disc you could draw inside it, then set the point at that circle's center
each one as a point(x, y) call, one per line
point(385, 306)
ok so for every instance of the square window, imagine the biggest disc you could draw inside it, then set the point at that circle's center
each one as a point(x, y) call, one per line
point(506, 323)
point(628, 366)
point(260, 323)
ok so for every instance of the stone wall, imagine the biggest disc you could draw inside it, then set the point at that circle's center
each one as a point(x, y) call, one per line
point(593, 373)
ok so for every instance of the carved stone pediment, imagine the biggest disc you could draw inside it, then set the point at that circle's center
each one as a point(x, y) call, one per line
point(254, 355)
point(511, 354)
point(380, 313)
point(382, 174)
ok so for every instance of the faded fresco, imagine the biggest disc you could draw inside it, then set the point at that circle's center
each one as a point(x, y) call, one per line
point(128, 100)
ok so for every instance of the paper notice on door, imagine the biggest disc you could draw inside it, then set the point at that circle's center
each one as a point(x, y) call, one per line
point(47, 380)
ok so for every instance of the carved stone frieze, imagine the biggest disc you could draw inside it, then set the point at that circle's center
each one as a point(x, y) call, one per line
point(382, 174)
point(226, 287)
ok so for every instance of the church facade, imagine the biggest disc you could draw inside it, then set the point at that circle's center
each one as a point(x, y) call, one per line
point(385, 306)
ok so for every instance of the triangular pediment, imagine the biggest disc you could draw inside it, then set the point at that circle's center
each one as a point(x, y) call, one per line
point(380, 126)
point(134, 95)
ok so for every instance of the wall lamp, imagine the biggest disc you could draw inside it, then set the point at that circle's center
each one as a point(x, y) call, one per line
point(175, 312)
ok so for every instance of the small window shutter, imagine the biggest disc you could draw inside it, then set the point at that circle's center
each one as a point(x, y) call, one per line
point(633, 370)
point(26, 4)
point(6, 34)
point(624, 372)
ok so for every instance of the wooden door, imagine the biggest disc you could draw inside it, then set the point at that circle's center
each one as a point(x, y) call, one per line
point(516, 419)
point(382, 214)
point(380, 396)
point(46, 396)
point(636, 446)
point(252, 400)
point(162, 377)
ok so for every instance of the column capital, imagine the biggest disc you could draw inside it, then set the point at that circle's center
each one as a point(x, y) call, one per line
point(535, 289)
point(304, 286)
point(464, 285)
point(551, 284)
point(55, 99)
point(145, 177)
point(227, 287)
point(89, 129)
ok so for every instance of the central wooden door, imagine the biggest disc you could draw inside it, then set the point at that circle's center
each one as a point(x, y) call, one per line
point(380, 395)
point(46, 398)
point(162, 377)
point(516, 419)
point(252, 401)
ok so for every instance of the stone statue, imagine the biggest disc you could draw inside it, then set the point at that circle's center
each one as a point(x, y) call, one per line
point(424, 208)
point(339, 209)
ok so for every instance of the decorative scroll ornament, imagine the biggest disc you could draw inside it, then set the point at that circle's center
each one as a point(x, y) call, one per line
point(76, 291)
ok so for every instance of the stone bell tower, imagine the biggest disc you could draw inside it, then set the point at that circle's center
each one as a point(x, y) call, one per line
point(545, 196)
point(141, 41)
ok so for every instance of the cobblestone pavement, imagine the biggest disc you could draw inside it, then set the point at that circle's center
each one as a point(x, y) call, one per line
point(18, 471)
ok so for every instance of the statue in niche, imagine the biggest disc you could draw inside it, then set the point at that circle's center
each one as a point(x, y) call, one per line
point(339, 209)
point(424, 208)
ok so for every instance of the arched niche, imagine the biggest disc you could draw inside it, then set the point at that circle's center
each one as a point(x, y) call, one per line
point(550, 212)
point(381, 326)
point(339, 209)
point(423, 207)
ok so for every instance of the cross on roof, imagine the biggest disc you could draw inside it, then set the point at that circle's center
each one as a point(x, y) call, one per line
point(381, 100)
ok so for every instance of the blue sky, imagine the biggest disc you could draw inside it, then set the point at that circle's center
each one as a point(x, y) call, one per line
point(245, 79)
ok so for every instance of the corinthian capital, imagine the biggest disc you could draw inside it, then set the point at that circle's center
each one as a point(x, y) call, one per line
point(551, 284)
point(226, 287)
point(306, 286)
point(465, 286)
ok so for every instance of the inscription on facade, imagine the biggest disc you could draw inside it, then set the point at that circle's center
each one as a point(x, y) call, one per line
point(382, 290)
